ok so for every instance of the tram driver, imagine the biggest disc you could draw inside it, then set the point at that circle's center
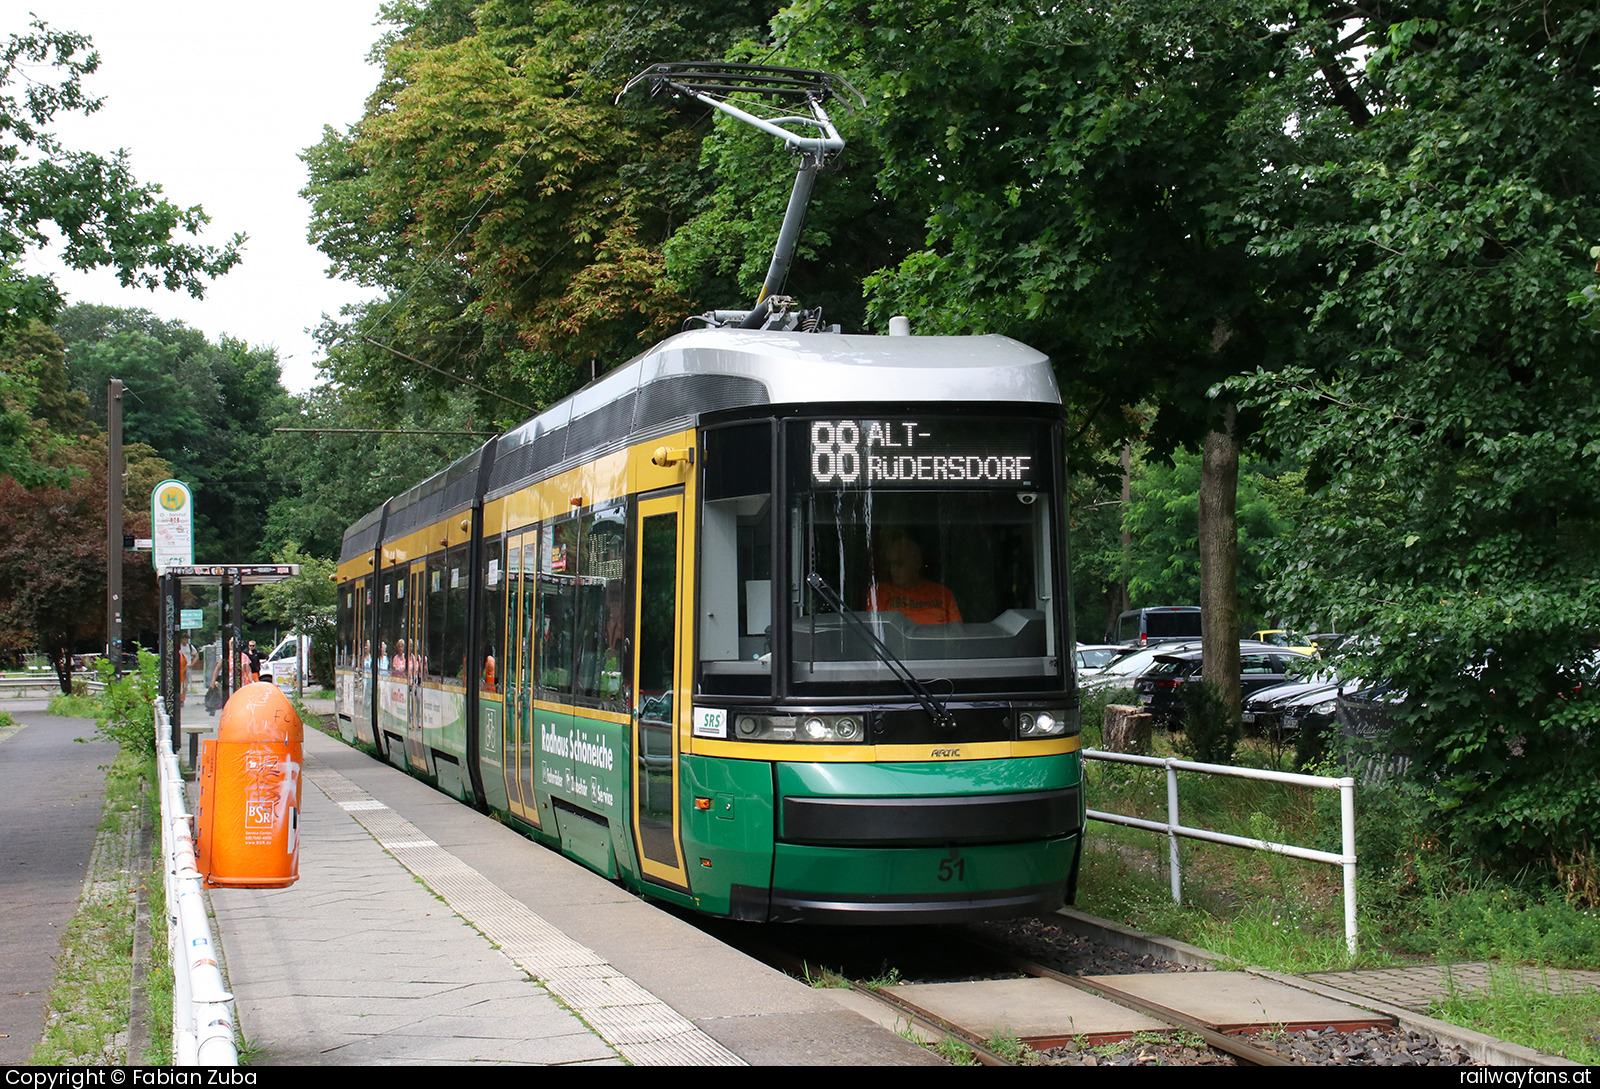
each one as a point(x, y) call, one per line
point(920, 600)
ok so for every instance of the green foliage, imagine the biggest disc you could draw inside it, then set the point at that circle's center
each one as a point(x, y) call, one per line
point(513, 209)
point(320, 505)
point(127, 710)
point(53, 550)
point(1528, 1007)
point(1010, 1048)
point(208, 408)
point(303, 604)
point(1210, 727)
point(954, 1052)
point(74, 706)
point(38, 409)
point(1164, 519)
point(103, 216)
point(1447, 419)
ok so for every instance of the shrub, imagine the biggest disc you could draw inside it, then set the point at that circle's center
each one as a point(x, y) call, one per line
point(1210, 728)
point(127, 712)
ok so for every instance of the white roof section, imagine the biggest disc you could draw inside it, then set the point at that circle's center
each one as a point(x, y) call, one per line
point(797, 368)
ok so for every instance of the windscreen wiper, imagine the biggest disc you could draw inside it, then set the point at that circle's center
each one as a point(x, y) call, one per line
point(930, 703)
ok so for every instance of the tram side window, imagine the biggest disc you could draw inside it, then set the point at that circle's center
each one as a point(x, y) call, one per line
point(735, 627)
point(494, 584)
point(553, 627)
point(452, 664)
point(390, 609)
point(346, 629)
point(601, 620)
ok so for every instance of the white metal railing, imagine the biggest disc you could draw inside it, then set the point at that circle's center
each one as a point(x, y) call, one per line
point(1174, 828)
point(202, 1012)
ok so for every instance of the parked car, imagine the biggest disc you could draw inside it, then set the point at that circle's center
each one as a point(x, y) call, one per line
point(1093, 656)
point(1264, 710)
point(1284, 637)
point(1124, 670)
point(288, 661)
point(1158, 624)
point(1160, 687)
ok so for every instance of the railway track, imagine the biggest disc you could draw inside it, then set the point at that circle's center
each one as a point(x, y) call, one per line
point(1007, 1008)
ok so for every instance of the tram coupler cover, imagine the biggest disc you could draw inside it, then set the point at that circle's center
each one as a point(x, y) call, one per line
point(248, 823)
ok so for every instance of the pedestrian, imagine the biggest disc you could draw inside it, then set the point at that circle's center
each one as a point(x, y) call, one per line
point(187, 657)
point(253, 659)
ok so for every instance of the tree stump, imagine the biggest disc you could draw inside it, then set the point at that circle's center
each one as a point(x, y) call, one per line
point(1127, 729)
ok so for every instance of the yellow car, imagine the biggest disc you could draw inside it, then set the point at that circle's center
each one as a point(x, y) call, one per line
point(1283, 637)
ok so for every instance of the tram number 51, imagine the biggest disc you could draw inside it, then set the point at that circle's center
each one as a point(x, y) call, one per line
point(953, 868)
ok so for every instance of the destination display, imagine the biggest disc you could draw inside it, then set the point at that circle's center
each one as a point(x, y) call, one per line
point(919, 453)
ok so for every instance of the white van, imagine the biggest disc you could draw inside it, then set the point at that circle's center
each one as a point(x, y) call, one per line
point(289, 660)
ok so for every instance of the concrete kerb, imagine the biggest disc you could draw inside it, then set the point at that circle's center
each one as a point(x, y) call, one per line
point(1483, 1048)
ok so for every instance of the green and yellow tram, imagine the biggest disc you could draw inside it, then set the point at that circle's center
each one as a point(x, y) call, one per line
point(772, 625)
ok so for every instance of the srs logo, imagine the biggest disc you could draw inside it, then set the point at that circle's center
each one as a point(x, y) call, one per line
point(946, 752)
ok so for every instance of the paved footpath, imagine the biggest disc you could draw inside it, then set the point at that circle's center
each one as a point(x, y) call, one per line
point(54, 787)
point(444, 937)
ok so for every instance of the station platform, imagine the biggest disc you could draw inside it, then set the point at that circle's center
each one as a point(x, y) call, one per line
point(421, 932)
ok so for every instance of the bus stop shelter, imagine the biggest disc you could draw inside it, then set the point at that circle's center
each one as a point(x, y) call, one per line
point(231, 579)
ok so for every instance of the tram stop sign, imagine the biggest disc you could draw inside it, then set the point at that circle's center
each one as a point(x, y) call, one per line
point(172, 524)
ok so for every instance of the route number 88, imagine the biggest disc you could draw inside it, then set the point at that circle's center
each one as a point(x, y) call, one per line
point(835, 451)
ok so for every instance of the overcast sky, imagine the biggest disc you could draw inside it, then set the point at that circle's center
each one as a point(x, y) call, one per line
point(214, 103)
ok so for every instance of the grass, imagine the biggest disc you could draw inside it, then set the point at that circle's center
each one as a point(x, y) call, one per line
point(954, 1052)
point(88, 1010)
point(1009, 1048)
point(74, 706)
point(1516, 1007)
point(888, 977)
point(824, 978)
point(1416, 899)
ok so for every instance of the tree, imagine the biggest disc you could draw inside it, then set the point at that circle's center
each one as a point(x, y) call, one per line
point(208, 408)
point(511, 207)
point(1448, 421)
point(53, 552)
point(104, 216)
point(38, 408)
point(372, 465)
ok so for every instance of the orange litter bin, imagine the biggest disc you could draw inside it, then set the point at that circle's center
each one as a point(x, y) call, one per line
point(249, 814)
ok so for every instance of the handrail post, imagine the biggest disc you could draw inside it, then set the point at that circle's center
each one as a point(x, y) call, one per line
point(1173, 824)
point(1347, 822)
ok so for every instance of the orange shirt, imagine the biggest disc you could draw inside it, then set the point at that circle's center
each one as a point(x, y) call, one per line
point(929, 603)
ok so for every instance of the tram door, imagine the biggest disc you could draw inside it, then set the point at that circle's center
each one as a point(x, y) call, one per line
point(412, 660)
point(517, 725)
point(661, 688)
point(361, 661)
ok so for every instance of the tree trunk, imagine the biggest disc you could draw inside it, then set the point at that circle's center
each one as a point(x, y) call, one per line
point(1219, 566)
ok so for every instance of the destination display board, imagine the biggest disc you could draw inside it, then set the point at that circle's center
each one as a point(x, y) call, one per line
point(927, 452)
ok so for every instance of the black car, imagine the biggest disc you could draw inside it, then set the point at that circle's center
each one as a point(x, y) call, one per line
point(1264, 709)
point(1160, 687)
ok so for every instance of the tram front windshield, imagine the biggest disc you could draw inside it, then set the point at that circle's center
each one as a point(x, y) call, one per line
point(933, 535)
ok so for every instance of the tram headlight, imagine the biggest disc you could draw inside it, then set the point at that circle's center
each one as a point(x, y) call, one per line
point(1049, 723)
point(817, 729)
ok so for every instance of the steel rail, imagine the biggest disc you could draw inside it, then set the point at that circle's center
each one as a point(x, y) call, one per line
point(1222, 1041)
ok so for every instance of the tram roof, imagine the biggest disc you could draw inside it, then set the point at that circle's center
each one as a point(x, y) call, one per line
point(794, 368)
